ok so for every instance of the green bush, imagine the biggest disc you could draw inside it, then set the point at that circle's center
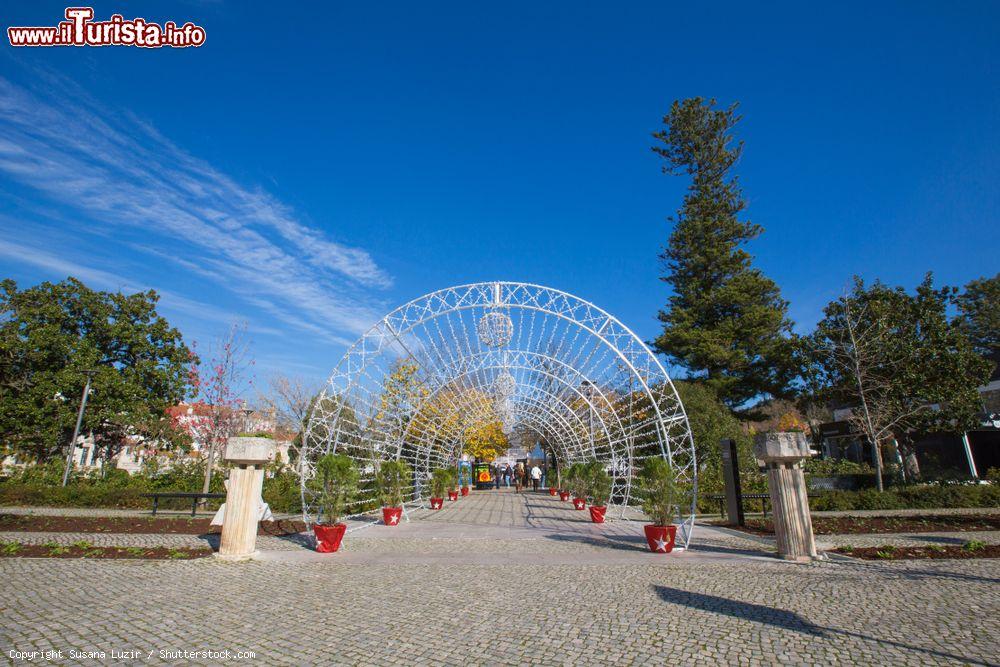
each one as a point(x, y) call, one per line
point(440, 481)
point(832, 467)
point(660, 491)
point(392, 478)
point(598, 483)
point(922, 496)
point(42, 486)
point(336, 483)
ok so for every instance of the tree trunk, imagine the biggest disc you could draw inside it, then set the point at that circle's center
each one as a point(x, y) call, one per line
point(879, 484)
point(208, 470)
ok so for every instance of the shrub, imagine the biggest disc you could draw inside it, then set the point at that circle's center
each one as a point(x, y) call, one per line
point(283, 492)
point(598, 483)
point(922, 496)
point(336, 483)
point(575, 481)
point(440, 480)
point(832, 467)
point(660, 491)
point(392, 477)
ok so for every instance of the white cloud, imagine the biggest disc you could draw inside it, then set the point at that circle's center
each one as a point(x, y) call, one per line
point(104, 280)
point(120, 172)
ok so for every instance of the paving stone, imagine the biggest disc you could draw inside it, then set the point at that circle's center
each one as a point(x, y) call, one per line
point(533, 586)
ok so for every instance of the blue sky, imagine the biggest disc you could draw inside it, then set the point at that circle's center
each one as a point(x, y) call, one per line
point(311, 167)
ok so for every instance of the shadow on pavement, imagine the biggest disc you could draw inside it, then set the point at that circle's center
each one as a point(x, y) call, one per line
point(618, 542)
point(781, 618)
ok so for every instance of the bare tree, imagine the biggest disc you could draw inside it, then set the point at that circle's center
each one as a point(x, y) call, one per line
point(851, 346)
point(290, 398)
point(219, 387)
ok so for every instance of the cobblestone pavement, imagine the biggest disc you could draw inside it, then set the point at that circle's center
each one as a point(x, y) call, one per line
point(561, 591)
point(749, 612)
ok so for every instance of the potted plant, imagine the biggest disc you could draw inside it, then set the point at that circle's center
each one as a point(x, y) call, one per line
point(564, 484)
point(392, 477)
point(552, 477)
point(440, 478)
point(577, 485)
point(452, 484)
point(659, 494)
point(599, 490)
point(336, 483)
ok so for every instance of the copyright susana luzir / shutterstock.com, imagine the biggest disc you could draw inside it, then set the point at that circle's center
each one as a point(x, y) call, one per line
point(54, 655)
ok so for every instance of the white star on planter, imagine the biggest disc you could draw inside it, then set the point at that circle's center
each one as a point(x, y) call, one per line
point(661, 545)
point(394, 519)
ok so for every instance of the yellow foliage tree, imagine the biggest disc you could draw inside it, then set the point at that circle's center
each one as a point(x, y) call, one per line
point(485, 439)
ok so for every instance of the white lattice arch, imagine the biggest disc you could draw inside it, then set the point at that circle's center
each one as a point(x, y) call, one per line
point(562, 371)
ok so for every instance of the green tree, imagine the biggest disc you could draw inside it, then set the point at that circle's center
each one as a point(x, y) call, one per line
point(725, 322)
point(711, 422)
point(904, 366)
point(979, 308)
point(51, 332)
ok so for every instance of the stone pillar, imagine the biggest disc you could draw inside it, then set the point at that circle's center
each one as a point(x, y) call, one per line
point(246, 479)
point(783, 453)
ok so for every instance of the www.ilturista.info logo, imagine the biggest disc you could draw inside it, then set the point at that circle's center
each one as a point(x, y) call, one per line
point(79, 29)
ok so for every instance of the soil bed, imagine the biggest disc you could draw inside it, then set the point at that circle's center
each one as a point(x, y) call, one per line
point(908, 553)
point(868, 525)
point(131, 525)
point(16, 550)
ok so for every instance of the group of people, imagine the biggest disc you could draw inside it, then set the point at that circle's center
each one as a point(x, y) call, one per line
point(519, 474)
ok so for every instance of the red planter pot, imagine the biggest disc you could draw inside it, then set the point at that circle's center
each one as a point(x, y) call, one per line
point(391, 515)
point(553, 491)
point(453, 495)
point(660, 538)
point(580, 503)
point(564, 495)
point(437, 503)
point(328, 538)
point(465, 490)
point(597, 513)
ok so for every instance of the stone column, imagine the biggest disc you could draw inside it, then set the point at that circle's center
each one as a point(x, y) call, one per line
point(246, 479)
point(783, 454)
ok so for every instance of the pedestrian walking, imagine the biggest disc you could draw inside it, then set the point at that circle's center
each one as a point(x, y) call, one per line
point(536, 477)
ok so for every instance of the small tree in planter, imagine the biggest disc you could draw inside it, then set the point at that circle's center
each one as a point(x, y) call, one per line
point(336, 483)
point(392, 477)
point(452, 483)
point(599, 490)
point(577, 483)
point(440, 479)
point(660, 491)
point(564, 483)
point(552, 477)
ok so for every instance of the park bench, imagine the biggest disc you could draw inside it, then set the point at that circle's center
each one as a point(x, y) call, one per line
point(195, 497)
point(764, 498)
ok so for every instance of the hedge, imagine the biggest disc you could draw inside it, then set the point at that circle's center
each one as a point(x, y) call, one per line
point(41, 486)
point(922, 496)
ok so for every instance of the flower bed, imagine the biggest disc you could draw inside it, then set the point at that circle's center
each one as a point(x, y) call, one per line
point(856, 525)
point(889, 552)
point(83, 550)
point(131, 525)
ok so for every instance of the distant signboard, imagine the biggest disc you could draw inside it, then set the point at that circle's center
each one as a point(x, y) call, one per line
point(835, 429)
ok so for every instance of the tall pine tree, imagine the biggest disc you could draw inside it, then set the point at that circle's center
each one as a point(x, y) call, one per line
point(725, 321)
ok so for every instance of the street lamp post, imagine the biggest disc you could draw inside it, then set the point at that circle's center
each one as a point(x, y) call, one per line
point(76, 429)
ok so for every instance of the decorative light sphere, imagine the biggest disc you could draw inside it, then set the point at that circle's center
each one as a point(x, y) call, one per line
point(504, 385)
point(495, 329)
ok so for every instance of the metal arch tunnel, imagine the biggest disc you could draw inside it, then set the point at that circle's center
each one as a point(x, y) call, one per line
point(548, 366)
